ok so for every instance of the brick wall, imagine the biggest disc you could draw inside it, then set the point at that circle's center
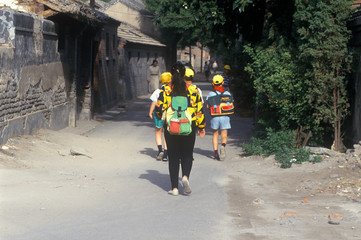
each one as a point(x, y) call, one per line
point(32, 78)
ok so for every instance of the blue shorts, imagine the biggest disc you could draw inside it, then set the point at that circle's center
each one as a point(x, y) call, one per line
point(158, 122)
point(221, 122)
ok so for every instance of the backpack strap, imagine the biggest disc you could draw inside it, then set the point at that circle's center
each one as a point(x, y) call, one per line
point(216, 92)
point(215, 106)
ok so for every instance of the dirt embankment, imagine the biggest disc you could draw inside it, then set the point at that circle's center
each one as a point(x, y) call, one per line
point(306, 201)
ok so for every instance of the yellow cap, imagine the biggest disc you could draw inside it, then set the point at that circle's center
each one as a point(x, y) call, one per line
point(217, 80)
point(166, 77)
point(189, 73)
point(227, 67)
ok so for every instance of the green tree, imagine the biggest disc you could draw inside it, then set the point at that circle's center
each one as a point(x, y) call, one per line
point(315, 65)
point(184, 22)
point(325, 59)
point(280, 93)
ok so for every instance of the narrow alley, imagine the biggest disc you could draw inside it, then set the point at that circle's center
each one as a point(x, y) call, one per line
point(100, 181)
point(112, 187)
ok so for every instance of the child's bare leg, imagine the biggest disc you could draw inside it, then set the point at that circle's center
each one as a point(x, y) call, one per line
point(224, 142)
point(215, 140)
point(158, 136)
point(165, 143)
point(215, 144)
point(158, 140)
point(165, 155)
point(224, 136)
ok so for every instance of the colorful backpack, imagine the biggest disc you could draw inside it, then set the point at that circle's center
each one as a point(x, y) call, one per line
point(178, 117)
point(221, 104)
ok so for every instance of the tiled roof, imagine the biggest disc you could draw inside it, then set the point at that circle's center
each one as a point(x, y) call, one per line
point(133, 35)
point(137, 5)
point(74, 8)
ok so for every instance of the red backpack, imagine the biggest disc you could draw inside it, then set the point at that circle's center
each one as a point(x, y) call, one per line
point(221, 104)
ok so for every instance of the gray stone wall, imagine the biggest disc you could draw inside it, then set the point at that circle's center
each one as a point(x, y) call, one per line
point(32, 78)
point(139, 58)
point(108, 67)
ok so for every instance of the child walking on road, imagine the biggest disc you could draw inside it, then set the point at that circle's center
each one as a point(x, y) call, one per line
point(188, 78)
point(182, 102)
point(165, 78)
point(219, 115)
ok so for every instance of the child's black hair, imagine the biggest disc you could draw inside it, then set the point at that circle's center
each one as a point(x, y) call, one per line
point(178, 84)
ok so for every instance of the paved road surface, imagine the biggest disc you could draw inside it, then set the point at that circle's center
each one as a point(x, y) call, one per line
point(121, 191)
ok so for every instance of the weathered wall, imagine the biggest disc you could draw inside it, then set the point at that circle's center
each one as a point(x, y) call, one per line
point(139, 58)
point(107, 69)
point(123, 13)
point(32, 78)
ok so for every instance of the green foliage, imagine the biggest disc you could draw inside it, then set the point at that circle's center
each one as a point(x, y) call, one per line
point(190, 20)
point(297, 56)
point(279, 90)
point(241, 4)
point(303, 83)
point(323, 54)
point(282, 145)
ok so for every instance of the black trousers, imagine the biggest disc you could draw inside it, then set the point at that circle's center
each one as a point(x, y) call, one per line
point(180, 150)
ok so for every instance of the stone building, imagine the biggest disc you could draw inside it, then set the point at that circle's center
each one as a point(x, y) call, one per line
point(133, 13)
point(139, 44)
point(58, 64)
point(32, 79)
point(139, 52)
point(197, 55)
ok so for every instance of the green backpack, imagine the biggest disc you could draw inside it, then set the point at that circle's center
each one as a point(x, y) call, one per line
point(178, 117)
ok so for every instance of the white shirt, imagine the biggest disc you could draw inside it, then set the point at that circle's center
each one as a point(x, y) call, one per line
point(155, 95)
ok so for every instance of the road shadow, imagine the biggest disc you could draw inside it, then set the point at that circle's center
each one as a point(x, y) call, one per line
point(204, 152)
point(157, 178)
point(149, 152)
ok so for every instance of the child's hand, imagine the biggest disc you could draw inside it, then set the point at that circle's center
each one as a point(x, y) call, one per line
point(150, 115)
point(202, 132)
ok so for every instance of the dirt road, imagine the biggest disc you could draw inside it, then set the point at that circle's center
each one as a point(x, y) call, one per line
point(101, 181)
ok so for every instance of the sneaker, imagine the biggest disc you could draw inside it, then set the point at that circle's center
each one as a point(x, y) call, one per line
point(217, 158)
point(186, 186)
point(164, 159)
point(160, 156)
point(223, 153)
point(174, 192)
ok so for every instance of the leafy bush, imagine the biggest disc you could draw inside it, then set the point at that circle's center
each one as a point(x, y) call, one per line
point(280, 91)
point(282, 145)
point(299, 75)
